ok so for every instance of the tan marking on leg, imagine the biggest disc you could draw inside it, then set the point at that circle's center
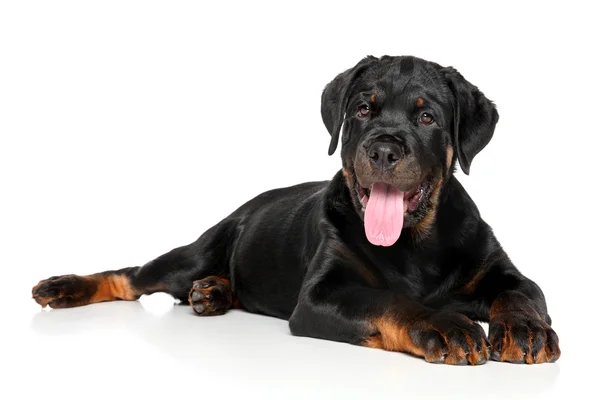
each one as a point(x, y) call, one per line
point(529, 356)
point(542, 357)
point(455, 355)
point(472, 284)
point(43, 301)
point(391, 336)
point(374, 342)
point(473, 357)
point(510, 349)
point(114, 287)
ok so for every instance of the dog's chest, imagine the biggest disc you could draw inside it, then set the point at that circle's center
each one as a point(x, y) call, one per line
point(416, 275)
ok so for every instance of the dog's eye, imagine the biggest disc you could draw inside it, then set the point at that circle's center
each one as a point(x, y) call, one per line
point(363, 111)
point(426, 119)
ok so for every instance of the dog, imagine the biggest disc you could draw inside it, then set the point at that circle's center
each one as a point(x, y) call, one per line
point(390, 254)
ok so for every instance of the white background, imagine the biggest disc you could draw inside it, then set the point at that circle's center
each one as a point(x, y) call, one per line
point(129, 128)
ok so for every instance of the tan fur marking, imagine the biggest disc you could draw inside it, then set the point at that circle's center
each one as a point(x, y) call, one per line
point(510, 349)
point(455, 356)
point(75, 290)
point(472, 284)
point(400, 166)
point(349, 178)
point(113, 287)
point(529, 356)
point(391, 336)
point(420, 102)
point(394, 336)
point(542, 357)
point(473, 357)
point(373, 97)
point(43, 301)
point(421, 229)
point(449, 155)
point(424, 226)
point(374, 342)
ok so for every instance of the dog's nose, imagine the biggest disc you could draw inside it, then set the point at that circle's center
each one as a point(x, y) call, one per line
point(384, 155)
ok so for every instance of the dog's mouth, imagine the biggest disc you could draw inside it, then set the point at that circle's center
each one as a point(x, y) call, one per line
point(385, 208)
point(411, 199)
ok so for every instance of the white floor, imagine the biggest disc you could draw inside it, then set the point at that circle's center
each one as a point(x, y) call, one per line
point(152, 349)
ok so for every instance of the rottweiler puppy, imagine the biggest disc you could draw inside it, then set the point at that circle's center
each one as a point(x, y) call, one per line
point(390, 254)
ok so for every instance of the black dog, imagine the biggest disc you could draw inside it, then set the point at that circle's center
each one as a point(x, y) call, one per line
point(391, 253)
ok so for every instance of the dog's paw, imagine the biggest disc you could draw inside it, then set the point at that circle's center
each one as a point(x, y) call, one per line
point(211, 296)
point(63, 291)
point(451, 338)
point(520, 338)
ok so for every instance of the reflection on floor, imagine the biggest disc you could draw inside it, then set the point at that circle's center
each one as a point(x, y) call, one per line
point(153, 347)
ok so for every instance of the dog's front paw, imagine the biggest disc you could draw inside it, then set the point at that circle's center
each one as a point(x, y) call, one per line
point(521, 338)
point(451, 338)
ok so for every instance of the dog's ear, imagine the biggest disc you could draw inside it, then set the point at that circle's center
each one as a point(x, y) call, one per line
point(334, 99)
point(475, 118)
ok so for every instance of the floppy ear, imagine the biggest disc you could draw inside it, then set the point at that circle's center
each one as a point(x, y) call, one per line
point(475, 118)
point(335, 99)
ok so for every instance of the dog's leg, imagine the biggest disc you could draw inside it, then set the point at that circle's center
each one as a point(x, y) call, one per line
point(520, 329)
point(515, 307)
point(173, 273)
point(343, 300)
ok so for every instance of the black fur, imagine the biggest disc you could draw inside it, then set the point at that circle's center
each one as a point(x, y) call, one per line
point(300, 253)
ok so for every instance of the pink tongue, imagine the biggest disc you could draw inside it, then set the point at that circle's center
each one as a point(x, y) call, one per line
point(384, 214)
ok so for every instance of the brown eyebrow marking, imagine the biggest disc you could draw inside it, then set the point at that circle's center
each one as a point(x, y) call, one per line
point(372, 99)
point(420, 102)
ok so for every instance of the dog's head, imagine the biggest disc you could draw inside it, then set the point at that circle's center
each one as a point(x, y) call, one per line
point(405, 123)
